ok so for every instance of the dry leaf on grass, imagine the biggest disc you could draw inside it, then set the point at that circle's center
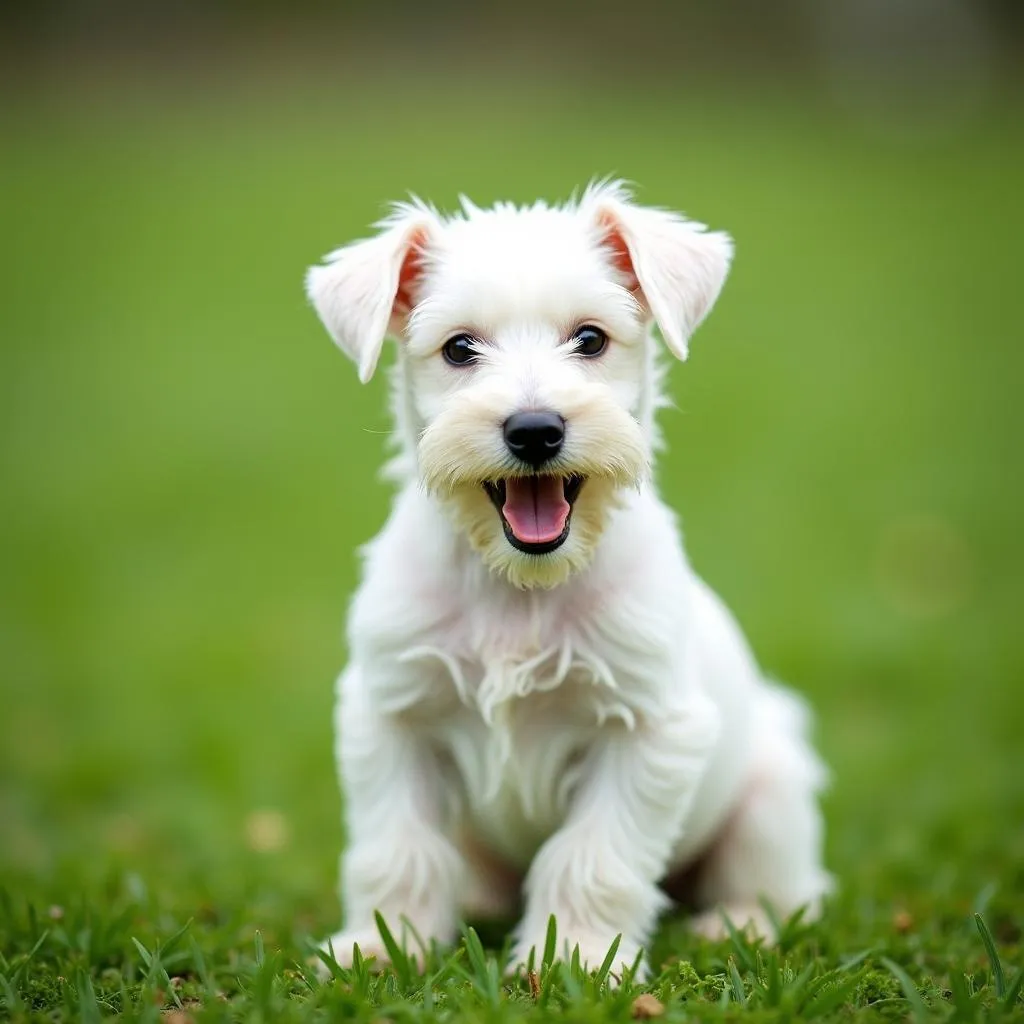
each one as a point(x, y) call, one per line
point(902, 921)
point(647, 1006)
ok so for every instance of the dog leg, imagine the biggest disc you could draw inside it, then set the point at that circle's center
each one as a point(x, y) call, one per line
point(771, 847)
point(398, 861)
point(599, 873)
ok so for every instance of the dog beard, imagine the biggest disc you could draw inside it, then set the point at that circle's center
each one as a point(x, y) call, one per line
point(474, 515)
point(536, 529)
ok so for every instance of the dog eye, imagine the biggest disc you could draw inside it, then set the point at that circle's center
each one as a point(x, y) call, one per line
point(459, 351)
point(590, 341)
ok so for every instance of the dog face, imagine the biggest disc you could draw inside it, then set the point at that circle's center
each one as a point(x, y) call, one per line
point(527, 374)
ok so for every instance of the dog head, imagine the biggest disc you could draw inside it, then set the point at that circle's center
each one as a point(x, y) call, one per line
point(526, 376)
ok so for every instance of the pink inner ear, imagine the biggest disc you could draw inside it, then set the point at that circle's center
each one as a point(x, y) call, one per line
point(615, 242)
point(409, 273)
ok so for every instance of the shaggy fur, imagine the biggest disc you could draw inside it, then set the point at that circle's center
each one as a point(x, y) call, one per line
point(587, 721)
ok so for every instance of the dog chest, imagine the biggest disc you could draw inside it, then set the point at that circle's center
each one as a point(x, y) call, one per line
point(516, 763)
point(515, 739)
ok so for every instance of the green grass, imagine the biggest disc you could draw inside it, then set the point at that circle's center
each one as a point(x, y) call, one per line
point(188, 469)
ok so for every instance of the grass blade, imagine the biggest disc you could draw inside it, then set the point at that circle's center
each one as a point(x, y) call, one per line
point(484, 974)
point(88, 1005)
point(739, 943)
point(409, 931)
point(993, 955)
point(147, 957)
point(738, 991)
point(570, 976)
point(847, 963)
point(826, 1000)
point(475, 951)
point(1013, 990)
point(167, 947)
point(803, 983)
point(447, 968)
point(397, 955)
point(962, 997)
point(609, 959)
point(328, 959)
point(28, 956)
point(775, 981)
point(358, 960)
point(11, 1000)
point(550, 944)
point(199, 963)
point(920, 1011)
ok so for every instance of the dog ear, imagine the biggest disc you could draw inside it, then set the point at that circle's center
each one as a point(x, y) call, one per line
point(676, 266)
point(364, 291)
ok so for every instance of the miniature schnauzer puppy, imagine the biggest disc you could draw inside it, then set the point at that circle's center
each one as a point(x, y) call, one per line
point(543, 700)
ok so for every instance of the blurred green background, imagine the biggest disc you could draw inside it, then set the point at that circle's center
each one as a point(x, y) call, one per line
point(188, 465)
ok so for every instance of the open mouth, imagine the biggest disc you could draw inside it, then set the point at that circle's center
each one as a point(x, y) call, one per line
point(535, 510)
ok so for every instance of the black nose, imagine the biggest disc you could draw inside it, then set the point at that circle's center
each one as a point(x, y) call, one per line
point(534, 437)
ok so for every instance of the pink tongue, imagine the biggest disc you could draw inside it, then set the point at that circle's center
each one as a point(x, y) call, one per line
point(535, 508)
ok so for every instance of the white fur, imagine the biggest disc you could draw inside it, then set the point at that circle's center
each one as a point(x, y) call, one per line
point(590, 719)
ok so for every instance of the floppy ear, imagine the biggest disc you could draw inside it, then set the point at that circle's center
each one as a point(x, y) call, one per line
point(677, 265)
point(364, 290)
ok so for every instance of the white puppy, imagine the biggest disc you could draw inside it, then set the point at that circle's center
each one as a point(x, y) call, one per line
point(539, 683)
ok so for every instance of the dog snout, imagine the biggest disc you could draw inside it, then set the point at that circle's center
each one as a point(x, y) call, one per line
point(534, 437)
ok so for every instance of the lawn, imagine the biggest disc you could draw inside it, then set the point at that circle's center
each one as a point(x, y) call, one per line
point(188, 468)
